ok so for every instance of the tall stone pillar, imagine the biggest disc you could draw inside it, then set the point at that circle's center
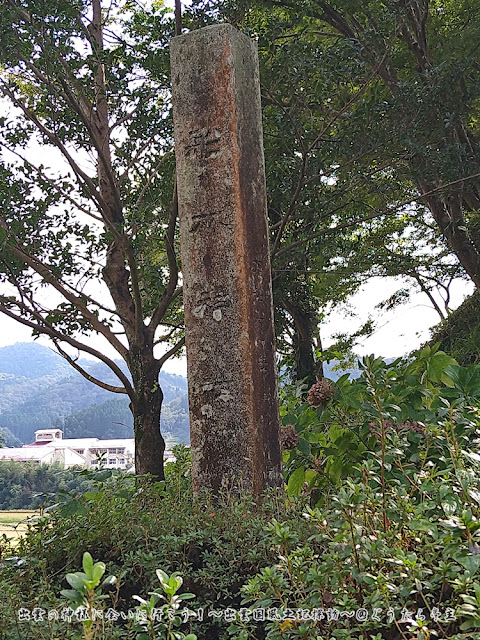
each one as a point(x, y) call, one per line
point(225, 261)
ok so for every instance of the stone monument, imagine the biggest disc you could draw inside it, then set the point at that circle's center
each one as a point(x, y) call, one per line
point(225, 261)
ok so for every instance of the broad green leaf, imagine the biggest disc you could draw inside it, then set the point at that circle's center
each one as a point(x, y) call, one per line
point(295, 482)
point(303, 446)
point(72, 508)
point(334, 469)
point(70, 594)
point(77, 581)
point(162, 576)
point(471, 563)
point(437, 365)
point(87, 564)
point(98, 571)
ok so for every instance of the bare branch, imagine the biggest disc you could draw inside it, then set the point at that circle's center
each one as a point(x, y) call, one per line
point(292, 205)
point(347, 225)
point(72, 362)
point(178, 17)
point(49, 277)
point(52, 183)
point(134, 160)
point(167, 336)
point(151, 177)
point(170, 290)
point(137, 296)
point(43, 327)
point(171, 352)
point(84, 179)
point(128, 116)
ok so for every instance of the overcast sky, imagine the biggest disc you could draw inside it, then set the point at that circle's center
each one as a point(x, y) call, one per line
point(399, 331)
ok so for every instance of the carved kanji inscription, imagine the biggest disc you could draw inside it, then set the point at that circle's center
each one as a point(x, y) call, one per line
point(225, 261)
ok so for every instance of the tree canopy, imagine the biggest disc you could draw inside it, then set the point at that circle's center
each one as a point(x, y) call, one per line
point(371, 141)
point(88, 209)
point(372, 155)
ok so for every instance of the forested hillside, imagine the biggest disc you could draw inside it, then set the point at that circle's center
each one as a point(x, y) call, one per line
point(38, 389)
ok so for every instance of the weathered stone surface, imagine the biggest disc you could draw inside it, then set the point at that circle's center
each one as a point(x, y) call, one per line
point(225, 261)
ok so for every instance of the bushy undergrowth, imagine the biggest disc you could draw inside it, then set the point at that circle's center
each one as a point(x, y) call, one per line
point(136, 529)
point(378, 538)
point(29, 485)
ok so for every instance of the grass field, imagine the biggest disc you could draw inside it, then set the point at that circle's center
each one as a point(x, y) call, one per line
point(14, 523)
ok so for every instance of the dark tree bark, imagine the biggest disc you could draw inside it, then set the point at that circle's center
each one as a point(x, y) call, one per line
point(305, 327)
point(146, 409)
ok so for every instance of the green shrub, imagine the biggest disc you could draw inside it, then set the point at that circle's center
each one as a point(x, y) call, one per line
point(29, 485)
point(391, 470)
point(381, 516)
point(136, 527)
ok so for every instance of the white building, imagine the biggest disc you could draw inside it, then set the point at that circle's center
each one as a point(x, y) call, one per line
point(50, 447)
point(44, 455)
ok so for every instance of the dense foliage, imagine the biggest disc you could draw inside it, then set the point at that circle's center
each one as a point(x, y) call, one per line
point(382, 517)
point(28, 485)
point(459, 334)
point(370, 114)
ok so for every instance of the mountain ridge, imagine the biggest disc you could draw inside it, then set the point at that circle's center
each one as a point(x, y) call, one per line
point(39, 390)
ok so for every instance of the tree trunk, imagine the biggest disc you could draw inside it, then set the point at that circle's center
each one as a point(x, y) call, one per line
point(146, 409)
point(303, 342)
point(448, 215)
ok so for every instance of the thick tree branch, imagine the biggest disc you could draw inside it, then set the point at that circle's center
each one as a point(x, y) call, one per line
point(73, 363)
point(170, 289)
point(43, 327)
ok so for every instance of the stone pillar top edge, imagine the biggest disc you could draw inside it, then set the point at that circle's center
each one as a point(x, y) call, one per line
point(223, 26)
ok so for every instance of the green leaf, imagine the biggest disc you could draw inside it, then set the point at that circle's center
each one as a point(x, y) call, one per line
point(102, 475)
point(70, 594)
point(422, 525)
point(162, 576)
point(470, 563)
point(449, 505)
point(77, 580)
point(296, 481)
point(335, 432)
point(87, 564)
point(436, 366)
point(72, 508)
point(334, 469)
point(303, 446)
point(310, 477)
point(98, 571)
point(175, 582)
